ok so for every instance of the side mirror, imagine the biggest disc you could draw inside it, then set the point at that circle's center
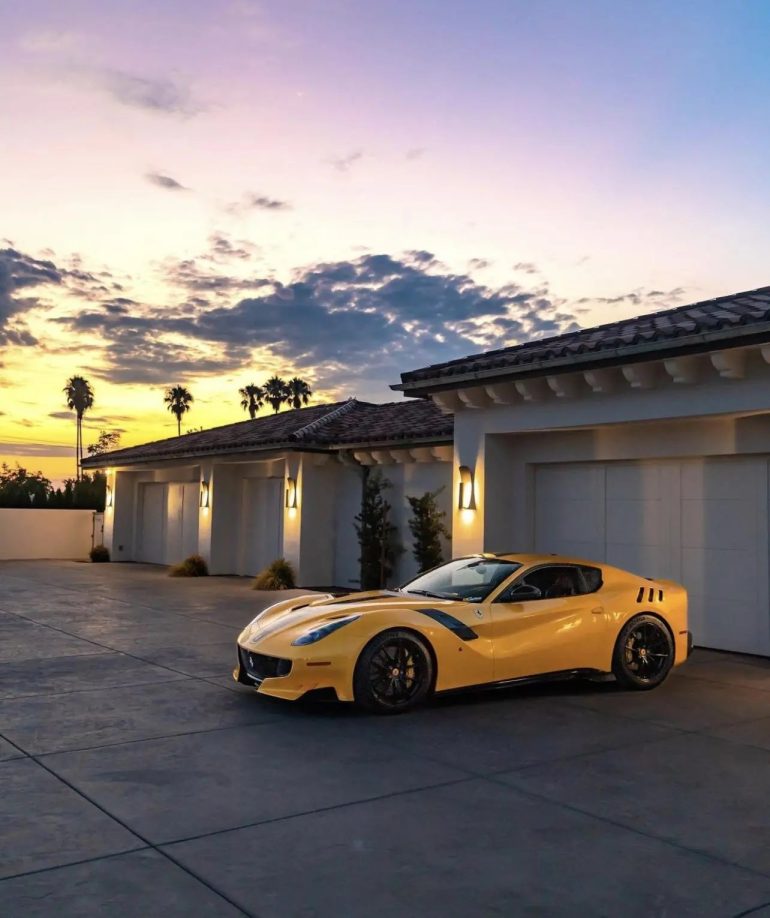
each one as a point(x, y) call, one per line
point(524, 592)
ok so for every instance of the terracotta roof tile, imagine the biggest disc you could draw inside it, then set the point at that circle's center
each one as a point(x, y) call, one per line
point(670, 329)
point(317, 427)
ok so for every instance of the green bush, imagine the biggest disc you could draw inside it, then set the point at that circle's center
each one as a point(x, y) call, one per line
point(194, 566)
point(99, 553)
point(277, 576)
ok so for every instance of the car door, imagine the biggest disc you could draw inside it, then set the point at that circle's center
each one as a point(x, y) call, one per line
point(545, 622)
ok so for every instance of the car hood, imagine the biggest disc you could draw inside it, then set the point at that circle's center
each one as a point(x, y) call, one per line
point(301, 614)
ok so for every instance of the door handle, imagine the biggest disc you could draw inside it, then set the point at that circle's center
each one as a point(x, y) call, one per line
point(597, 610)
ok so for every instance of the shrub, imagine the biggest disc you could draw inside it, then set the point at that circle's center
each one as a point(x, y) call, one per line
point(428, 530)
point(99, 553)
point(377, 536)
point(276, 576)
point(194, 566)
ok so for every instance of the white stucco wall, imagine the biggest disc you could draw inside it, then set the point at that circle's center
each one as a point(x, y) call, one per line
point(45, 534)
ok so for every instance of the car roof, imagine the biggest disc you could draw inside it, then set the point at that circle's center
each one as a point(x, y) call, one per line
point(535, 558)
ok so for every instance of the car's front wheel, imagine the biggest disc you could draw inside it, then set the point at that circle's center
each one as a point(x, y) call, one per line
point(394, 673)
point(644, 653)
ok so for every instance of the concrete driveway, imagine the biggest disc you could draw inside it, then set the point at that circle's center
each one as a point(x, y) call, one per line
point(137, 779)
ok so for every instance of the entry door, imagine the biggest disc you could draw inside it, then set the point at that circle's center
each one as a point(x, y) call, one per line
point(261, 523)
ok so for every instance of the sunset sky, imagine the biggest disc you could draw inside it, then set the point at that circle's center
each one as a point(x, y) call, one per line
point(207, 193)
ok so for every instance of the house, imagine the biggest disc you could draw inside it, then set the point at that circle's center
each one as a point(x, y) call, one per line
point(285, 485)
point(642, 443)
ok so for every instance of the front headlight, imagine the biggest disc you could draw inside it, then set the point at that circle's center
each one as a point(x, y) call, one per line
point(323, 630)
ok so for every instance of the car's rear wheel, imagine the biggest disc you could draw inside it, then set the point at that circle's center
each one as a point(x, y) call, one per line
point(644, 653)
point(394, 673)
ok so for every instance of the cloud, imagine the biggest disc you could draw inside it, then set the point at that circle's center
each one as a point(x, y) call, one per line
point(161, 95)
point(343, 163)
point(165, 181)
point(415, 153)
point(253, 201)
point(647, 299)
point(19, 275)
point(223, 248)
point(350, 325)
point(186, 273)
point(526, 267)
point(9, 448)
point(478, 264)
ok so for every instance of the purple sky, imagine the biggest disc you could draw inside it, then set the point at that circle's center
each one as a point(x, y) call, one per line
point(224, 190)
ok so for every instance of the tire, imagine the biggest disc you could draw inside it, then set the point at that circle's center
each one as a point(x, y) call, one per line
point(644, 653)
point(394, 673)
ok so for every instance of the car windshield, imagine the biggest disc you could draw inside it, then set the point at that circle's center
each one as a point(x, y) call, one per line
point(468, 579)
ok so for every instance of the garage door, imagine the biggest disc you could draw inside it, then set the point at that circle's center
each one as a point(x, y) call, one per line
point(168, 527)
point(701, 522)
point(261, 523)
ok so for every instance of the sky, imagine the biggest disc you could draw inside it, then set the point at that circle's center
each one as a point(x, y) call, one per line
point(206, 193)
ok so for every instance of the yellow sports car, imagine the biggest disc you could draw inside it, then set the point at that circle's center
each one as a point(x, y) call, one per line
point(476, 621)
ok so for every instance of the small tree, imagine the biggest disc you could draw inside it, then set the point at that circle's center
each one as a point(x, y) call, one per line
point(428, 529)
point(377, 536)
point(105, 443)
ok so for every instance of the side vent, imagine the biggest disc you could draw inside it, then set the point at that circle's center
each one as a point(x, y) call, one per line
point(640, 594)
point(660, 595)
point(652, 595)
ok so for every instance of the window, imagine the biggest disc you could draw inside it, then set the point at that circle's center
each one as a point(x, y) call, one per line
point(593, 578)
point(469, 579)
point(554, 582)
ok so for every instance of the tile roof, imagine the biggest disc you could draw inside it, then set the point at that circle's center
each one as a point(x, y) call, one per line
point(318, 427)
point(727, 321)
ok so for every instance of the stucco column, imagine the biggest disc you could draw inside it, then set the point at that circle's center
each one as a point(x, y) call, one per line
point(206, 513)
point(119, 518)
point(468, 524)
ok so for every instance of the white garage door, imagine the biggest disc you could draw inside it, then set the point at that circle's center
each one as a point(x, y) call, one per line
point(701, 522)
point(168, 526)
point(261, 523)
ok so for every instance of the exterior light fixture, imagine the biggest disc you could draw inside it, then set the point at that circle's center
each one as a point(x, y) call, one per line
point(465, 497)
point(108, 497)
point(291, 494)
point(204, 494)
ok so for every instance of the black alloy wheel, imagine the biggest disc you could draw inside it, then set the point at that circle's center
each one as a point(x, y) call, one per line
point(394, 673)
point(644, 653)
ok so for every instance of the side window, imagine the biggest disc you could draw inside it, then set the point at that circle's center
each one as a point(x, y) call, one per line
point(592, 578)
point(555, 582)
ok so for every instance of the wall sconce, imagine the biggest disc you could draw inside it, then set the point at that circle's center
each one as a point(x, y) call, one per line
point(204, 494)
point(466, 500)
point(291, 494)
point(108, 498)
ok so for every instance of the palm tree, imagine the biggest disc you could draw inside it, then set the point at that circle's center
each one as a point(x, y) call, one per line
point(80, 397)
point(276, 392)
point(298, 392)
point(252, 399)
point(178, 400)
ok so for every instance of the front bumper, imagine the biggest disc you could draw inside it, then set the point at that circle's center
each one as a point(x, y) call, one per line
point(292, 678)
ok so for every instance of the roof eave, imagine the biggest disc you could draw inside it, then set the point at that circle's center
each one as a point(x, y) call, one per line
point(636, 353)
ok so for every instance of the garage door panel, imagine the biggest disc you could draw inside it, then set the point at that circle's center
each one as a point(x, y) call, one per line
point(719, 573)
point(632, 521)
point(571, 520)
point(569, 482)
point(645, 481)
point(725, 522)
point(645, 560)
point(735, 479)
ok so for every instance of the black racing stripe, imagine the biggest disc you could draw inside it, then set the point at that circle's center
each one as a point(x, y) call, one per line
point(454, 624)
